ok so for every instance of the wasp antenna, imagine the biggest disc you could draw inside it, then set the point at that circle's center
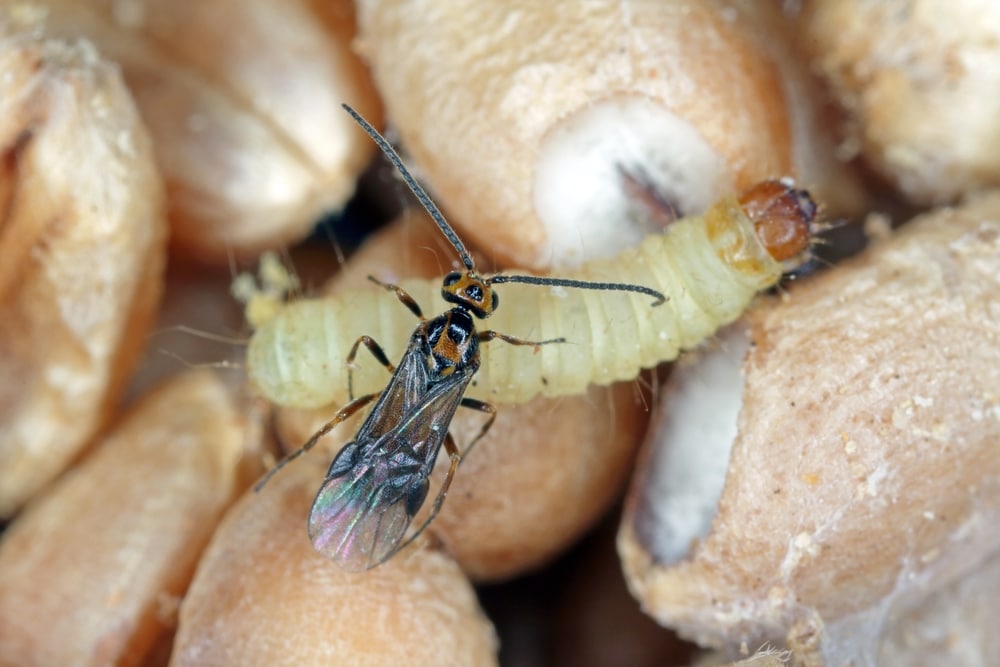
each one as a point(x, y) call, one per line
point(417, 190)
point(582, 284)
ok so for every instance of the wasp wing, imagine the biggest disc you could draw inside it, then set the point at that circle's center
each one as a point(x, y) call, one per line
point(407, 390)
point(348, 525)
point(363, 508)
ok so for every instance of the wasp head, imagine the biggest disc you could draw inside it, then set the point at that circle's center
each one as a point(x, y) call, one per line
point(470, 291)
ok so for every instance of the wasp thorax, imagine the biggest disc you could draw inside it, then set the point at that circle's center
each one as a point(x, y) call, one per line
point(470, 291)
point(782, 217)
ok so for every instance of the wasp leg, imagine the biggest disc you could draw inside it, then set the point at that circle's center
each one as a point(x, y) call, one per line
point(481, 406)
point(456, 458)
point(402, 295)
point(376, 351)
point(344, 414)
point(487, 336)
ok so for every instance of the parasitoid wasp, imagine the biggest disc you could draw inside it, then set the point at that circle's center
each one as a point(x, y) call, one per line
point(377, 483)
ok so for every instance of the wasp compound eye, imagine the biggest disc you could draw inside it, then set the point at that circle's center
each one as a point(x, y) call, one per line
point(452, 278)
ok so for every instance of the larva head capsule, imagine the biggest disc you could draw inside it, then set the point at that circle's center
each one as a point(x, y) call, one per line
point(468, 290)
point(782, 217)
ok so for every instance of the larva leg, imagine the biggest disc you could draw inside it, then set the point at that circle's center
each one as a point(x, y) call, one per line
point(487, 336)
point(345, 413)
point(452, 449)
point(376, 351)
point(402, 295)
point(481, 406)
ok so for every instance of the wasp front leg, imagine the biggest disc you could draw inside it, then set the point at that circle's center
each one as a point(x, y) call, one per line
point(370, 343)
point(376, 351)
point(402, 295)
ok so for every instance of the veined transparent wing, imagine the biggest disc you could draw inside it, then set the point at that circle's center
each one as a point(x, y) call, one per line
point(376, 485)
point(348, 525)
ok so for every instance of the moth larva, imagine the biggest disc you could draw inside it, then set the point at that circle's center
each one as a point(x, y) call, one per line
point(710, 267)
point(379, 480)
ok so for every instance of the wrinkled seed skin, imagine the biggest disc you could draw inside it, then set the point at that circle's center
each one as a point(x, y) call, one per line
point(866, 453)
point(456, 99)
point(263, 596)
point(81, 255)
point(919, 89)
point(242, 99)
point(92, 571)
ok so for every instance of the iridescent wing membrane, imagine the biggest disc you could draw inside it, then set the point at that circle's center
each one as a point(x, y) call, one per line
point(377, 483)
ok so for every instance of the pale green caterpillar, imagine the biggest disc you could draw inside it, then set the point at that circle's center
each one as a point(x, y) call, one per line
point(710, 267)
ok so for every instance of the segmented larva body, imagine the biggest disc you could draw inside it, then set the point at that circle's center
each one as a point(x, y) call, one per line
point(710, 267)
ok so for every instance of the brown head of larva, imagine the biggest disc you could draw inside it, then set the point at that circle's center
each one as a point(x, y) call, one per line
point(782, 217)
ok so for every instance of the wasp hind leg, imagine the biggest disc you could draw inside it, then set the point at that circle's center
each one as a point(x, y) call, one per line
point(456, 458)
point(345, 413)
